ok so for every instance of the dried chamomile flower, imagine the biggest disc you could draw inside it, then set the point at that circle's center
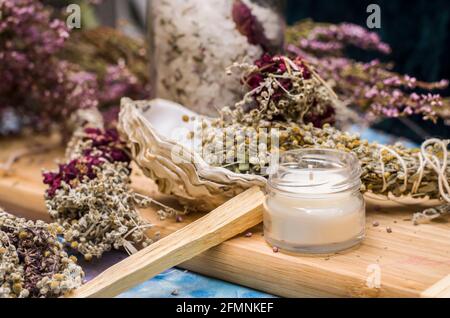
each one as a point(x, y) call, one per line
point(281, 99)
point(391, 169)
point(33, 262)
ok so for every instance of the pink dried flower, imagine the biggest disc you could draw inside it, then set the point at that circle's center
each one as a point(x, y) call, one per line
point(335, 38)
point(280, 87)
point(370, 87)
point(36, 85)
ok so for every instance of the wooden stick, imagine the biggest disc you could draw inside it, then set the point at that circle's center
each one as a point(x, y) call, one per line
point(439, 290)
point(230, 219)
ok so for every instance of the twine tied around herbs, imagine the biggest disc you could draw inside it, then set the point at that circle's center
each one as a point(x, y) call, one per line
point(425, 159)
point(402, 162)
point(434, 162)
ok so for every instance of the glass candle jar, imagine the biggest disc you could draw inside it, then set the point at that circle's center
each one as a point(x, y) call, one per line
point(314, 203)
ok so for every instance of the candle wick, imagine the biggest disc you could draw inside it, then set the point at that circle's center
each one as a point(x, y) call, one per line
point(311, 175)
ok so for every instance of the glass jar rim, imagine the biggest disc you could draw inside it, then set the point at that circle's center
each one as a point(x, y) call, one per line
point(310, 161)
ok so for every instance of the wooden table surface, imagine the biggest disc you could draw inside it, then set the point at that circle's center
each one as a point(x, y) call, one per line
point(413, 260)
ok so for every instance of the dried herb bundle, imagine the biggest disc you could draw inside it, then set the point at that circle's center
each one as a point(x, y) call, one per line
point(386, 169)
point(279, 88)
point(90, 196)
point(33, 262)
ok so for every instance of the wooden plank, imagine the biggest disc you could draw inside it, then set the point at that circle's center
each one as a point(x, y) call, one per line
point(230, 219)
point(439, 290)
point(410, 259)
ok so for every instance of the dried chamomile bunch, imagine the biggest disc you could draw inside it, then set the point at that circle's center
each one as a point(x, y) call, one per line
point(90, 196)
point(33, 262)
point(279, 88)
point(385, 169)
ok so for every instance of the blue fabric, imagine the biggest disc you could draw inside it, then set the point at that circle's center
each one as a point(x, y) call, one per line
point(380, 137)
point(184, 284)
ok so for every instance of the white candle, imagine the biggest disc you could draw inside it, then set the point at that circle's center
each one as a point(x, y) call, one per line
point(318, 208)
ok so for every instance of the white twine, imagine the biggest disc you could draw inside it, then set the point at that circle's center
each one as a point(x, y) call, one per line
point(420, 171)
point(402, 162)
point(435, 164)
point(425, 159)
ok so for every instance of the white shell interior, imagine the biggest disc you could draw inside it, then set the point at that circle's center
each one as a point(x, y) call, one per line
point(166, 117)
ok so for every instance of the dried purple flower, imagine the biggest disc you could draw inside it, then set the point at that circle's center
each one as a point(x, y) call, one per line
point(369, 87)
point(105, 147)
point(332, 39)
point(35, 84)
point(44, 82)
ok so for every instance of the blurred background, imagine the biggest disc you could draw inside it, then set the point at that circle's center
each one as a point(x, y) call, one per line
point(418, 32)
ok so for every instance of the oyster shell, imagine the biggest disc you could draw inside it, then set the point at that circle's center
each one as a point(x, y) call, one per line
point(149, 126)
point(153, 128)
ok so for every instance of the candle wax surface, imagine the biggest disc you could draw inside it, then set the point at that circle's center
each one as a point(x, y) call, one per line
point(312, 181)
point(309, 215)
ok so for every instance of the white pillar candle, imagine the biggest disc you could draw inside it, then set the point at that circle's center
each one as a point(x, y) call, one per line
point(314, 203)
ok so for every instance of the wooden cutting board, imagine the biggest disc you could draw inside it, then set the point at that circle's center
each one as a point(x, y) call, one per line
point(413, 261)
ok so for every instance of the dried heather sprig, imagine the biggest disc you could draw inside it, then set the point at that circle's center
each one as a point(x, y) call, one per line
point(118, 61)
point(91, 199)
point(33, 262)
point(333, 39)
point(370, 87)
point(47, 76)
point(41, 89)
